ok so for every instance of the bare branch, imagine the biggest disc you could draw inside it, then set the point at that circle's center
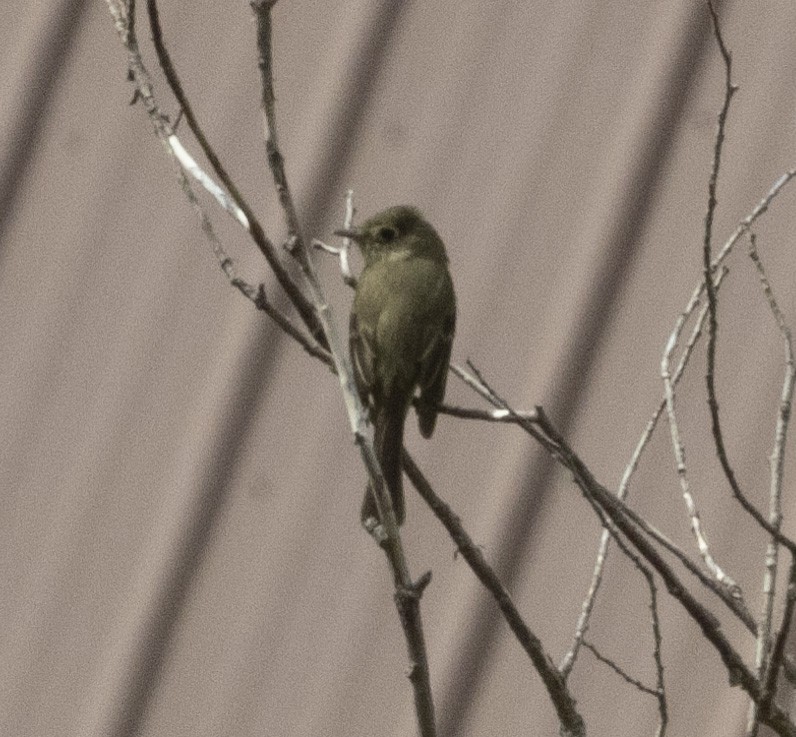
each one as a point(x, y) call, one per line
point(736, 605)
point(622, 517)
point(624, 485)
point(778, 651)
point(256, 294)
point(623, 674)
point(407, 592)
point(266, 246)
point(626, 522)
point(630, 525)
point(123, 18)
point(220, 195)
point(718, 436)
point(777, 462)
point(562, 700)
point(682, 474)
point(729, 91)
point(618, 514)
point(276, 162)
point(659, 691)
point(674, 338)
point(486, 415)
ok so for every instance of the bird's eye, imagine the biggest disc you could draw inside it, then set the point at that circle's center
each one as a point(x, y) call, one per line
point(387, 235)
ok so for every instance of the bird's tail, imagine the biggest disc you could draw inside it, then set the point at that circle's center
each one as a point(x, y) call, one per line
point(388, 444)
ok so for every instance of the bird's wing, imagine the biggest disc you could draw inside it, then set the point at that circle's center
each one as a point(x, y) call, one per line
point(363, 358)
point(434, 371)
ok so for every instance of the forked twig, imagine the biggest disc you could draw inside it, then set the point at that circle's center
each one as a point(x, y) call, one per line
point(265, 245)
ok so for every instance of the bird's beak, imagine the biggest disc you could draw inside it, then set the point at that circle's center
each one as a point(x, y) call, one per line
point(354, 235)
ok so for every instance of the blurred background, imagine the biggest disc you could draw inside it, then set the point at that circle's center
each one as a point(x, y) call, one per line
point(179, 534)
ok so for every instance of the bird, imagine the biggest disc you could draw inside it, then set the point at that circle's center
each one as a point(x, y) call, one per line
point(401, 329)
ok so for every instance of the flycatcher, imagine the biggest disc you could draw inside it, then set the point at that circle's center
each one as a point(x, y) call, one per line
point(401, 330)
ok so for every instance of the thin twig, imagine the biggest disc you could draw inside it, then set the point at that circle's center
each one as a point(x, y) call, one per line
point(276, 162)
point(587, 607)
point(618, 513)
point(627, 522)
point(729, 91)
point(778, 651)
point(741, 229)
point(674, 338)
point(123, 17)
point(348, 223)
point(186, 109)
point(770, 713)
point(623, 674)
point(736, 605)
point(342, 253)
point(266, 246)
point(220, 195)
point(660, 690)
point(256, 294)
point(615, 509)
point(486, 415)
point(562, 700)
point(777, 463)
point(713, 404)
point(682, 474)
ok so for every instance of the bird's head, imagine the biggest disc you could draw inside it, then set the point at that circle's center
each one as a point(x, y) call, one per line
point(397, 233)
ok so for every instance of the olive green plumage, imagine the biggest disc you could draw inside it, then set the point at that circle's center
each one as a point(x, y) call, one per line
point(401, 331)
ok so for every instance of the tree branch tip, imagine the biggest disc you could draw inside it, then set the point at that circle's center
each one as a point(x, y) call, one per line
point(318, 244)
point(419, 586)
point(541, 415)
point(261, 300)
point(376, 530)
point(412, 671)
point(291, 244)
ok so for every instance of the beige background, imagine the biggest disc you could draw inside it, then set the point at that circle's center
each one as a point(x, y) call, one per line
point(179, 528)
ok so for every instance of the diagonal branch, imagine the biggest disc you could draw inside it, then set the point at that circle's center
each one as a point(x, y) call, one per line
point(266, 246)
point(622, 518)
point(556, 687)
point(124, 21)
point(769, 662)
point(407, 592)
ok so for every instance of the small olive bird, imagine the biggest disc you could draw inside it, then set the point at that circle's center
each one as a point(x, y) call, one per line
point(401, 331)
